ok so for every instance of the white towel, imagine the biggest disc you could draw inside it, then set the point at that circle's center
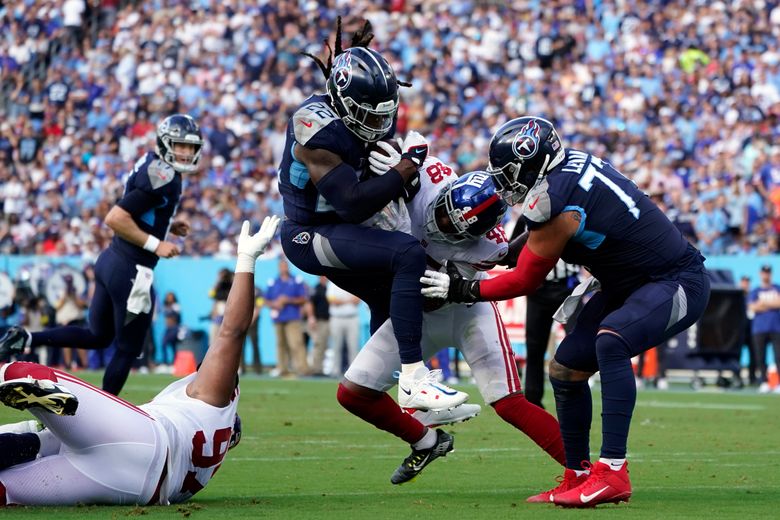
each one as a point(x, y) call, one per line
point(569, 305)
point(140, 299)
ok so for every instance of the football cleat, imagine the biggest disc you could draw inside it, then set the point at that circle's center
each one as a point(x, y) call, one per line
point(568, 481)
point(458, 414)
point(414, 463)
point(42, 394)
point(423, 391)
point(602, 486)
point(14, 342)
point(31, 426)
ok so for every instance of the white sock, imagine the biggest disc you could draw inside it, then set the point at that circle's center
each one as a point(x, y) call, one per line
point(50, 444)
point(581, 472)
point(428, 440)
point(614, 464)
point(407, 369)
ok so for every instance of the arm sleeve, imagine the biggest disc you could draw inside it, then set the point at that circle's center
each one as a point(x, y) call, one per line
point(354, 200)
point(522, 280)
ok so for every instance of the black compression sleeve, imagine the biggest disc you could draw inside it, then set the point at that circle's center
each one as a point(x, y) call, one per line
point(354, 200)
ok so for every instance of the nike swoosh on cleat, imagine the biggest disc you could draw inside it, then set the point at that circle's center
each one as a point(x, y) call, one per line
point(444, 391)
point(404, 390)
point(421, 465)
point(587, 498)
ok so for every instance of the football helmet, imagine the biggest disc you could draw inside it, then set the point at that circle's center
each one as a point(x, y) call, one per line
point(465, 210)
point(235, 435)
point(175, 129)
point(364, 91)
point(521, 151)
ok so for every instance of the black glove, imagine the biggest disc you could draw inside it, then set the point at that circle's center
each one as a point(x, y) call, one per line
point(461, 290)
point(412, 187)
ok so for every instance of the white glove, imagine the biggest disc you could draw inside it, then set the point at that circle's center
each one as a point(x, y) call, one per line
point(438, 284)
point(252, 246)
point(380, 162)
point(415, 148)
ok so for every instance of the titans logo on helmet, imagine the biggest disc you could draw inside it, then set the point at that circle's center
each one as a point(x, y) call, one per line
point(342, 70)
point(526, 142)
point(302, 238)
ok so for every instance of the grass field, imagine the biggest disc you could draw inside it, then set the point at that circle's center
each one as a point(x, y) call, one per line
point(693, 455)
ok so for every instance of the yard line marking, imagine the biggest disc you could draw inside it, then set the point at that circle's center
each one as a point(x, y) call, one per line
point(702, 406)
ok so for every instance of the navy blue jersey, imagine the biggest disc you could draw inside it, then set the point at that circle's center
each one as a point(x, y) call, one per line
point(315, 125)
point(151, 196)
point(623, 238)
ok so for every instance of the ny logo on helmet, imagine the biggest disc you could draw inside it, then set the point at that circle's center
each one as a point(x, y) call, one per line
point(342, 70)
point(526, 142)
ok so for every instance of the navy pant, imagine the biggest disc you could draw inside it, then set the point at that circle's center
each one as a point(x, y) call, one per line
point(371, 264)
point(650, 315)
point(114, 277)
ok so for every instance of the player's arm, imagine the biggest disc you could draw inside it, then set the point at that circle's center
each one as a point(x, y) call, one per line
point(120, 220)
point(215, 380)
point(540, 254)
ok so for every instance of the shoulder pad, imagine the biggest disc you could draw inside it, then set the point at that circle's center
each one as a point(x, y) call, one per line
point(160, 173)
point(538, 207)
point(310, 119)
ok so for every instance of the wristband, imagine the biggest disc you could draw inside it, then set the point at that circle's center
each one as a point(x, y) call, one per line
point(151, 244)
point(245, 263)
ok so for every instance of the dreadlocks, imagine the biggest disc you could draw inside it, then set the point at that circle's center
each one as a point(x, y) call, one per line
point(361, 38)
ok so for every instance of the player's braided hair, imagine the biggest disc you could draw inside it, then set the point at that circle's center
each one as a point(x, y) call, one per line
point(361, 38)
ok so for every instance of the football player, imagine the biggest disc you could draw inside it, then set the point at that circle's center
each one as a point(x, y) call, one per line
point(99, 449)
point(653, 286)
point(327, 192)
point(122, 306)
point(457, 222)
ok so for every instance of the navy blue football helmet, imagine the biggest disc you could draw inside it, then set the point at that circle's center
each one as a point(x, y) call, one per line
point(521, 151)
point(179, 129)
point(235, 435)
point(465, 210)
point(364, 91)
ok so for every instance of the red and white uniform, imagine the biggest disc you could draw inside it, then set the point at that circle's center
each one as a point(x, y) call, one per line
point(476, 330)
point(113, 452)
point(198, 437)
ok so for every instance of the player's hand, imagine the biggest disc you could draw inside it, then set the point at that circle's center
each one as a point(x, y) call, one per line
point(252, 246)
point(451, 286)
point(386, 157)
point(180, 228)
point(415, 148)
point(167, 250)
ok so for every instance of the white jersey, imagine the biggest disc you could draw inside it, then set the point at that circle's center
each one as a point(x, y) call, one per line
point(470, 257)
point(198, 438)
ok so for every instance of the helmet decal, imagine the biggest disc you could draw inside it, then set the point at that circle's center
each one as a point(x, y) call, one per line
point(342, 70)
point(526, 142)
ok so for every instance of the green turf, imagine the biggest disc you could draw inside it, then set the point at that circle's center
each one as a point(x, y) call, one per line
point(693, 455)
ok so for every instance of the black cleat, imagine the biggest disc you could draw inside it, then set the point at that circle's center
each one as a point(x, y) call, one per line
point(13, 342)
point(26, 393)
point(414, 463)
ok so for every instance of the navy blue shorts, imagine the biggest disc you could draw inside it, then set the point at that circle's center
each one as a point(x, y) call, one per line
point(645, 318)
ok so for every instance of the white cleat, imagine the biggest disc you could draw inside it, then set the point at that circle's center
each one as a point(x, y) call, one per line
point(458, 414)
point(422, 391)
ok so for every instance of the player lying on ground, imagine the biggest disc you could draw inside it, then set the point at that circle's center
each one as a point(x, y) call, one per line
point(653, 286)
point(96, 448)
point(457, 221)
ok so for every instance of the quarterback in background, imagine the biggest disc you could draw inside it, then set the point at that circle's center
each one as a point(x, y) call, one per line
point(96, 448)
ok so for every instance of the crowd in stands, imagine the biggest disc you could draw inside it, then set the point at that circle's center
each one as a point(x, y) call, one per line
point(683, 96)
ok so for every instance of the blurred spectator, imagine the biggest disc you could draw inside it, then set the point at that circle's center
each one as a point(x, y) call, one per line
point(219, 294)
point(344, 327)
point(286, 297)
point(71, 310)
point(253, 335)
point(172, 313)
point(765, 304)
point(319, 328)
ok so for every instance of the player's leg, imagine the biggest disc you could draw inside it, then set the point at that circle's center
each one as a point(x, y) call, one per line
point(480, 335)
point(349, 248)
point(649, 316)
point(363, 392)
point(105, 433)
point(130, 339)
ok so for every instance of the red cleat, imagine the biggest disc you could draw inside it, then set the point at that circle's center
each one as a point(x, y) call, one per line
point(568, 481)
point(602, 486)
